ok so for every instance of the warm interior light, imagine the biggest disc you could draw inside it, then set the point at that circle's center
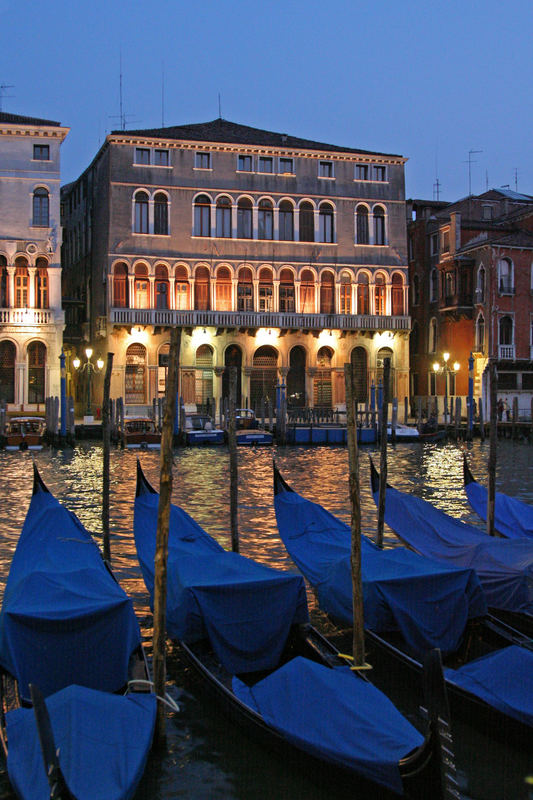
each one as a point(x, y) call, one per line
point(88, 352)
point(446, 356)
point(100, 363)
point(436, 366)
point(456, 366)
point(76, 362)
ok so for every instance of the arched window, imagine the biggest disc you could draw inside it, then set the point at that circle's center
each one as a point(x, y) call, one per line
point(346, 293)
point(224, 218)
point(202, 216)
point(363, 294)
point(432, 344)
point(120, 286)
point(265, 220)
point(264, 376)
point(327, 297)
point(181, 279)
point(232, 358)
point(322, 382)
point(22, 281)
point(203, 393)
point(161, 214)
point(41, 208)
point(142, 286)
point(480, 288)
point(434, 286)
point(4, 284)
point(135, 377)
point(326, 231)
point(480, 334)
point(201, 289)
point(449, 284)
point(41, 283)
point(244, 219)
point(286, 291)
point(505, 276)
point(307, 292)
point(36, 372)
point(140, 223)
point(379, 225)
point(286, 221)
point(416, 290)
point(359, 361)
point(506, 332)
point(296, 377)
point(162, 286)
point(7, 371)
point(307, 222)
point(397, 295)
point(362, 234)
point(266, 287)
point(223, 289)
point(245, 290)
point(379, 295)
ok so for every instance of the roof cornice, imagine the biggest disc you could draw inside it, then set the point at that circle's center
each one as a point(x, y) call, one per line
point(49, 131)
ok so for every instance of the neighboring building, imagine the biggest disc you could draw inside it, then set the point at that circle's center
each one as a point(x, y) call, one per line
point(31, 316)
point(281, 256)
point(471, 276)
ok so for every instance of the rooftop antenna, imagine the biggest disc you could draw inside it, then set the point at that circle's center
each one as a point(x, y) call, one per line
point(516, 179)
point(122, 115)
point(219, 107)
point(486, 180)
point(3, 87)
point(470, 162)
point(436, 185)
point(162, 94)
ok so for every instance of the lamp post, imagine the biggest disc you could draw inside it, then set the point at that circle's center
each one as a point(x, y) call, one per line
point(89, 368)
point(446, 370)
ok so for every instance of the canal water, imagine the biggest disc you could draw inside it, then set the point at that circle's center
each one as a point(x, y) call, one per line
point(208, 757)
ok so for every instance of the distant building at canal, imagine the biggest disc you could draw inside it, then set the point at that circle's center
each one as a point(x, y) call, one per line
point(31, 315)
point(471, 276)
point(282, 256)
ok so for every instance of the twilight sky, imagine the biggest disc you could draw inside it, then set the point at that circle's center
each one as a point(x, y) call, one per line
point(429, 80)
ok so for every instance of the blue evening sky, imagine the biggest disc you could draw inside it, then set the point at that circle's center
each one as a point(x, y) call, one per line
point(425, 79)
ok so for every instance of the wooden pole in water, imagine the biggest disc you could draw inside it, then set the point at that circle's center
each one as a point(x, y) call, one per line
point(383, 453)
point(353, 456)
point(233, 466)
point(106, 437)
point(161, 548)
point(493, 443)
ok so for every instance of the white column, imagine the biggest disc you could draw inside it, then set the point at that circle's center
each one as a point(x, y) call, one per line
point(31, 288)
point(11, 286)
point(275, 298)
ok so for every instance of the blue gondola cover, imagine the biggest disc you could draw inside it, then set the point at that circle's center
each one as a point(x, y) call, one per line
point(505, 568)
point(103, 742)
point(64, 618)
point(428, 601)
point(245, 608)
point(512, 517)
point(365, 733)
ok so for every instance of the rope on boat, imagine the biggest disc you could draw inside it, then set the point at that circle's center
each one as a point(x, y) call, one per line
point(364, 666)
point(167, 700)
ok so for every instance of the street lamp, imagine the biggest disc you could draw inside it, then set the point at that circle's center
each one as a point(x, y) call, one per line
point(89, 368)
point(446, 370)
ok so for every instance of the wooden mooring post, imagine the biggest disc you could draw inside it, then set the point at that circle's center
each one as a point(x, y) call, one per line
point(106, 439)
point(233, 462)
point(493, 444)
point(383, 453)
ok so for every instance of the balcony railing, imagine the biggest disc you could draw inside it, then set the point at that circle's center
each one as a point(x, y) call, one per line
point(255, 319)
point(506, 352)
point(30, 316)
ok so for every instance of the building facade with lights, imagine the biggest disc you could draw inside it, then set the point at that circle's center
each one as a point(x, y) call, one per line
point(281, 256)
point(471, 276)
point(31, 315)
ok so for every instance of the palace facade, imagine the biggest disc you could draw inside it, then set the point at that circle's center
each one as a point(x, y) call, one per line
point(31, 315)
point(281, 256)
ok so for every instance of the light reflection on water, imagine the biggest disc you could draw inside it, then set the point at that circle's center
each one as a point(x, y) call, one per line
point(206, 759)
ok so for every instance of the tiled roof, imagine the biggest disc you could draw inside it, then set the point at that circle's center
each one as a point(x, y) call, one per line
point(220, 130)
point(17, 119)
point(503, 239)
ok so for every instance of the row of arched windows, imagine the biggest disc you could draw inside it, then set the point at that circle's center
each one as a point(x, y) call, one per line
point(29, 286)
point(36, 362)
point(284, 221)
point(303, 296)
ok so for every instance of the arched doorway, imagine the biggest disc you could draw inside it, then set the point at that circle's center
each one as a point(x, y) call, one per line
point(135, 378)
point(36, 365)
point(7, 372)
point(359, 361)
point(264, 375)
point(232, 358)
point(384, 353)
point(203, 394)
point(323, 391)
point(296, 378)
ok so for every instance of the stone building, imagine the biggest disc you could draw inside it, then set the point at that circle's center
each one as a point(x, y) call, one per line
point(31, 316)
point(471, 275)
point(281, 256)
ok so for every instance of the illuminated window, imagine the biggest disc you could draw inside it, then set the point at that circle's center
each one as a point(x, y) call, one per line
point(379, 295)
point(307, 292)
point(286, 291)
point(41, 284)
point(161, 286)
point(327, 299)
point(223, 290)
point(397, 295)
point(245, 294)
point(346, 294)
point(120, 286)
point(135, 377)
point(363, 294)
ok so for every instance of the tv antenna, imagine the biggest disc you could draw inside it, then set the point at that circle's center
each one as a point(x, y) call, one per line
point(516, 179)
point(3, 87)
point(470, 162)
point(122, 117)
point(219, 107)
point(436, 190)
point(162, 94)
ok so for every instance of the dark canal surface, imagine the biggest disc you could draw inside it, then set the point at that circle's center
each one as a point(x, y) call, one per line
point(208, 758)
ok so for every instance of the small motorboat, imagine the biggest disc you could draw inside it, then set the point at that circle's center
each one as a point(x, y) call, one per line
point(140, 432)
point(24, 433)
point(247, 428)
point(407, 433)
point(199, 430)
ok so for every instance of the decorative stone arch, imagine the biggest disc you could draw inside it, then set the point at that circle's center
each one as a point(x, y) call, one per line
point(264, 374)
point(120, 272)
point(323, 384)
point(233, 357)
point(296, 376)
point(359, 358)
point(135, 382)
point(36, 358)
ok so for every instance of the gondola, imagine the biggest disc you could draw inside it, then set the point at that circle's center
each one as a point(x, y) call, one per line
point(244, 629)
point(512, 518)
point(69, 636)
point(504, 567)
point(409, 601)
